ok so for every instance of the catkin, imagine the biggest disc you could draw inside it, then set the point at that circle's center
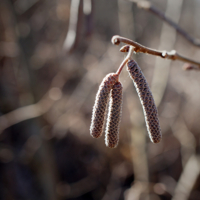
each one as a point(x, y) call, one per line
point(114, 116)
point(99, 109)
point(147, 101)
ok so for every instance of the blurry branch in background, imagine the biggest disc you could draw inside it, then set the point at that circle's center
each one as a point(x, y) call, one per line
point(190, 161)
point(73, 34)
point(187, 179)
point(172, 55)
point(77, 9)
point(186, 139)
point(78, 188)
point(37, 109)
point(146, 5)
point(162, 69)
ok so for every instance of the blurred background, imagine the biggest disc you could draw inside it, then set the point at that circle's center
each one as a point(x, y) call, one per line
point(53, 56)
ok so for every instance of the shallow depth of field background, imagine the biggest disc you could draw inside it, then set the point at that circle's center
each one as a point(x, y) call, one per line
point(48, 88)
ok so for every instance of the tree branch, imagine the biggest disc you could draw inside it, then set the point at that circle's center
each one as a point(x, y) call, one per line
point(172, 55)
point(146, 5)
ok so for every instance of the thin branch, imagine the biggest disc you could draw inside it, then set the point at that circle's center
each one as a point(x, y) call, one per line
point(130, 52)
point(138, 47)
point(172, 55)
point(146, 5)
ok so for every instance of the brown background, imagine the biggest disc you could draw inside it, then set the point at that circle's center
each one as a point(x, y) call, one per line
point(46, 151)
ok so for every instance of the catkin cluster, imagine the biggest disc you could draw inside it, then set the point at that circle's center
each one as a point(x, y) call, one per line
point(110, 92)
point(109, 88)
point(99, 109)
point(147, 101)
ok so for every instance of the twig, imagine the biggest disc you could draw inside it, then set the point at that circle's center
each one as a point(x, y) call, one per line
point(172, 55)
point(130, 52)
point(146, 5)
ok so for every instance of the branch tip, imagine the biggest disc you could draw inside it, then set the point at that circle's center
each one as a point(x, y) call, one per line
point(115, 40)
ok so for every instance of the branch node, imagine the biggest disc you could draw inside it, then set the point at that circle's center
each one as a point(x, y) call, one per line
point(125, 48)
point(164, 54)
point(138, 50)
point(172, 55)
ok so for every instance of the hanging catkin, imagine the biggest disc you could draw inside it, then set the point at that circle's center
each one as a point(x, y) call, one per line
point(99, 109)
point(114, 116)
point(147, 101)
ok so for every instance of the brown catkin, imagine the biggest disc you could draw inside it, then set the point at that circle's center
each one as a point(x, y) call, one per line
point(114, 116)
point(99, 109)
point(147, 101)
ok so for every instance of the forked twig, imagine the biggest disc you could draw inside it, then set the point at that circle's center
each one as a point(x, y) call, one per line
point(172, 55)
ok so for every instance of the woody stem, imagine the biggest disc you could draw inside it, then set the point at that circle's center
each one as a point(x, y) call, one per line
point(172, 55)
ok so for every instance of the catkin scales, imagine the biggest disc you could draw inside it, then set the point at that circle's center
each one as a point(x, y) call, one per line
point(99, 109)
point(114, 116)
point(147, 101)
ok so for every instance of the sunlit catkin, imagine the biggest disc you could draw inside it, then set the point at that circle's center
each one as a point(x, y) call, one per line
point(147, 101)
point(99, 109)
point(114, 116)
